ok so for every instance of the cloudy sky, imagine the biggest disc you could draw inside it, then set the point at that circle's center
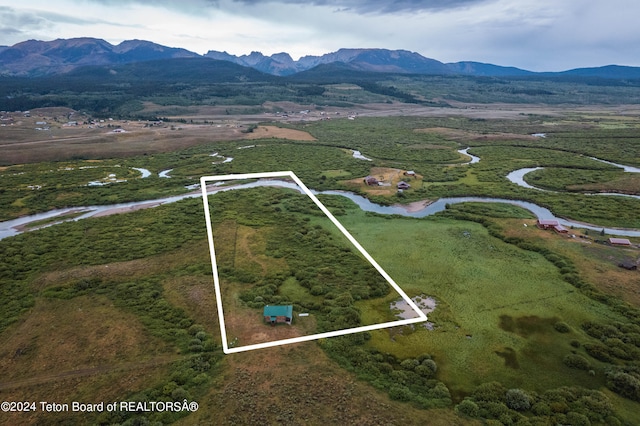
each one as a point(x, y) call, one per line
point(539, 35)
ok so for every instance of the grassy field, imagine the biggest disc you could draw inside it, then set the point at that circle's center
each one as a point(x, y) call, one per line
point(123, 307)
point(497, 308)
point(479, 283)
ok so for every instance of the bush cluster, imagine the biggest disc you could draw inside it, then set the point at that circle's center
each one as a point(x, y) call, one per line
point(566, 405)
point(410, 380)
point(309, 250)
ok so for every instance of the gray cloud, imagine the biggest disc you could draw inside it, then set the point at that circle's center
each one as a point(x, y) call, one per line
point(535, 34)
point(29, 20)
point(377, 6)
point(358, 6)
point(20, 19)
point(17, 25)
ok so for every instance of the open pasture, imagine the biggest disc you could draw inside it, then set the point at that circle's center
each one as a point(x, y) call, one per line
point(497, 304)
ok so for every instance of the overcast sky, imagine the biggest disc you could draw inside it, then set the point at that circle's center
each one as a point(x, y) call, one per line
point(538, 35)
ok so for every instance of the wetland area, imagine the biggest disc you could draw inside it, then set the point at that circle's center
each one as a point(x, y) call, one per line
point(108, 290)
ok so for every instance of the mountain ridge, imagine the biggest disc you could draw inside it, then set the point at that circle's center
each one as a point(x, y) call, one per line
point(32, 58)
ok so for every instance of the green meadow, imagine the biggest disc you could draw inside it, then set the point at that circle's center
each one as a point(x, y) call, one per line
point(493, 299)
point(530, 327)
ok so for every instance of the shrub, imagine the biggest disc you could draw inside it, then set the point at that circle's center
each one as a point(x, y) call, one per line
point(409, 364)
point(598, 352)
point(492, 391)
point(613, 421)
point(318, 290)
point(467, 408)
point(424, 371)
point(493, 410)
point(577, 419)
point(400, 393)
point(431, 365)
point(518, 400)
point(562, 327)
point(440, 391)
point(541, 409)
point(624, 384)
point(576, 361)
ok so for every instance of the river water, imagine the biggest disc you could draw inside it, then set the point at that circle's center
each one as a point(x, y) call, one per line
point(517, 177)
point(473, 160)
point(13, 227)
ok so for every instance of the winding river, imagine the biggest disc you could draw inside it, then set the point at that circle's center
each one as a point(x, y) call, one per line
point(517, 177)
point(473, 160)
point(16, 226)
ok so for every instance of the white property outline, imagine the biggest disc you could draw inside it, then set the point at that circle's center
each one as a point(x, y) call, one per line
point(225, 346)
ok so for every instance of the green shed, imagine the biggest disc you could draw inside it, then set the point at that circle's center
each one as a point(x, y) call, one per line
point(278, 314)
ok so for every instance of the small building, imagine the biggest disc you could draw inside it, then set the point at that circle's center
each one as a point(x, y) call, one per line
point(560, 229)
point(278, 314)
point(371, 181)
point(410, 173)
point(619, 242)
point(403, 185)
point(547, 224)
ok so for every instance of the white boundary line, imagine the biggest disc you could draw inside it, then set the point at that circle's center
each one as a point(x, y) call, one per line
point(223, 333)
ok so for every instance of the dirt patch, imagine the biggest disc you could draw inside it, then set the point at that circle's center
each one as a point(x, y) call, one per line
point(62, 143)
point(126, 209)
point(106, 383)
point(388, 177)
point(263, 132)
point(80, 333)
point(246, 326)
point(416, 206)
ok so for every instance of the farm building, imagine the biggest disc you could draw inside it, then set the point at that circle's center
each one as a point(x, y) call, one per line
point(546, 224)
point(278, 314)
point(403, 185)
point(552, 224)
point(560, 229)
point(619, 242)
point(410, 173)
point(370, 180)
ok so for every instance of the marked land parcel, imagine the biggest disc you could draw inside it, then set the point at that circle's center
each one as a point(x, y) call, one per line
point(256, 264)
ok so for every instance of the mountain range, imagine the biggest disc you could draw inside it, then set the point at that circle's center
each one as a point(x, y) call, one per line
point(34, 58)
